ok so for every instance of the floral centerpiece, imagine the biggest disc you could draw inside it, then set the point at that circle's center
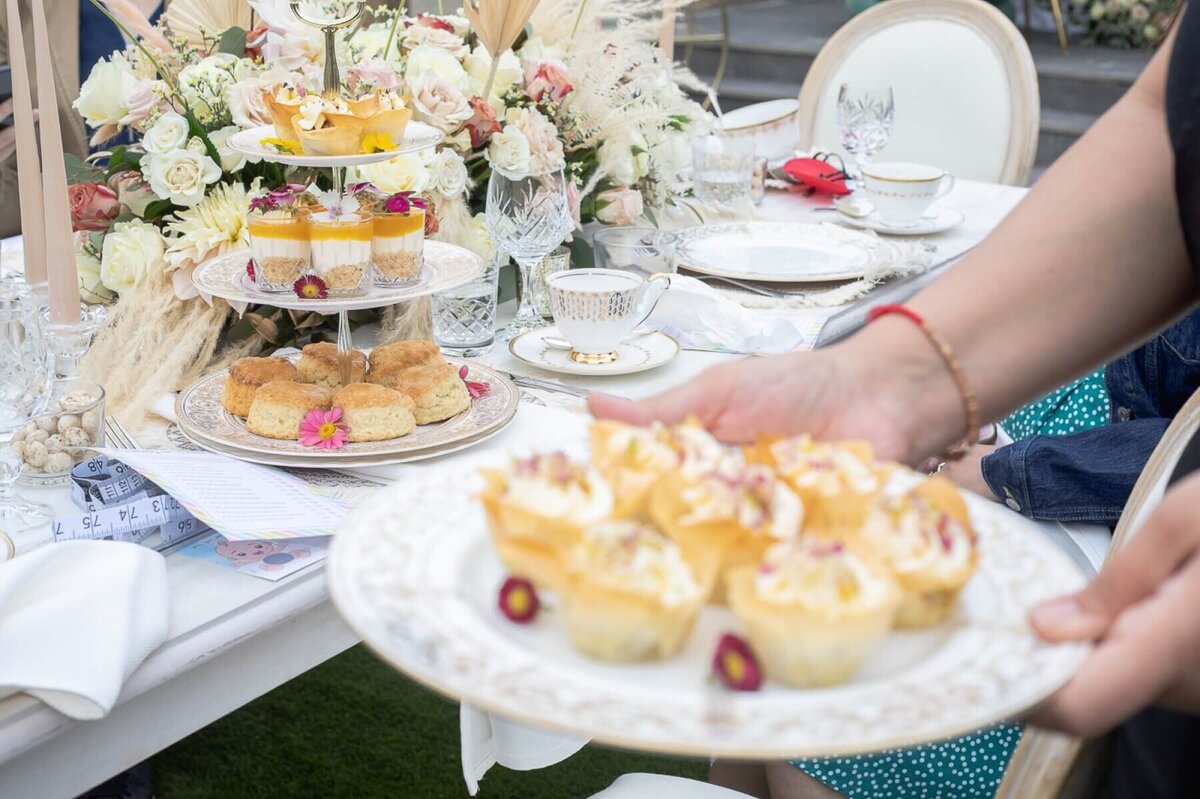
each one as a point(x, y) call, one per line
point(169, 193)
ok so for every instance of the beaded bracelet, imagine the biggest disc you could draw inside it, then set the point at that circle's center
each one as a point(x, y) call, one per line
point(969, 398)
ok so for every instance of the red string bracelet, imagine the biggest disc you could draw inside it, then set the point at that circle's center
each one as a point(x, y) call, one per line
point(969, 398)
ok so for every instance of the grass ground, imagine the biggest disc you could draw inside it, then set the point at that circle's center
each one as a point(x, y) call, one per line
point(353, 728)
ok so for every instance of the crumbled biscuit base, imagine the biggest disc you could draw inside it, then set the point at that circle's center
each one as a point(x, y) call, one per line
point(343, 277)
point(279, 271)
point(399, 265)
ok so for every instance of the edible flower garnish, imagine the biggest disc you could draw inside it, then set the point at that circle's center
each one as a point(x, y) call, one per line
point(337, 205)
point(378, 143)
point(402, 202)
point(323, 429)
point(362, 187)
point(735, 666)
point(474, 388)
point(519, 600)
point(250, 269)
point(310, 287)
point(278, 198)
point(282, 145)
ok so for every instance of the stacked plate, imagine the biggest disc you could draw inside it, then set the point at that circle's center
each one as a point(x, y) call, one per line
point(777, 252)
point(205, 422)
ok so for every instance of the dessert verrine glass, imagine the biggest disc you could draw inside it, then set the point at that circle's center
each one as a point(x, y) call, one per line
point(280, 246)
point(341, 250)
point(398, 245)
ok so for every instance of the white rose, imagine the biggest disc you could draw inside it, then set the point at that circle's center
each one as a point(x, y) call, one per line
point(461, 25)
point(508, 152)
point(402, 173)
point(370, 42)
point(424, 60)
point(545, 148)
point(230, 161)
point(247, 101)
point(508, 73)
point(617, 161)
point(448, 173)
point(182, 176)
point(104, 96)
point(418, 35)
point(91, 288)
point(131, 251)
point(166, 135)
point(618, 206)
point(437, 102)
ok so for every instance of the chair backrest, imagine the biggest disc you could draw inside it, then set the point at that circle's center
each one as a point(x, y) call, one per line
point(962, 76)
point(1048, 765)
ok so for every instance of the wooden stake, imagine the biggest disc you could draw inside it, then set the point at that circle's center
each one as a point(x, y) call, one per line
point(29, 166)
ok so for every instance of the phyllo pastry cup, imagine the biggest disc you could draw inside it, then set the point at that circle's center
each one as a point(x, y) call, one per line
point(925, 538)
point(838, 482)
point(632, 459)
point(724, 520)
point(538, 509)
point(629, 595)
point(814, 611)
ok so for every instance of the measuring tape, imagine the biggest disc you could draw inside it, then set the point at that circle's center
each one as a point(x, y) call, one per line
point(121, 505)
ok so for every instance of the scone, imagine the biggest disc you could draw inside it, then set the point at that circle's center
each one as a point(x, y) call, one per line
point(838, 482)
point(319, 364)
point(436, 388)
point(280, 406)
point(403, 355)
point(538, 508)
point(814, 611)
point(925, 538)
point(246, 375)
point(722, 522)
point(629, 595)
point(374, 413)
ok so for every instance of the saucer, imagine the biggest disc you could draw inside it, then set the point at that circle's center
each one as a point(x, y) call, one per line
point(936, 220)
point(636, 354)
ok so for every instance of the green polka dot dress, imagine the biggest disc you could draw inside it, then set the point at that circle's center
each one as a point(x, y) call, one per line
point(970, 767)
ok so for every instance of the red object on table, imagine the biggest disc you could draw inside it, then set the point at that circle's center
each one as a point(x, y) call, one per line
point(817, 174)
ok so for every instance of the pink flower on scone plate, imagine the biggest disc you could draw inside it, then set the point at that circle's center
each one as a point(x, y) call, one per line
point(94, 206)
point(547, 80)
point(323, 429)
point(474, 388)
point(618, 206)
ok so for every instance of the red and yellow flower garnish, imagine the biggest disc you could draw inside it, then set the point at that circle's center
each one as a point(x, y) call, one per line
point(310, 287)
point(735, 666)
point(519, 600)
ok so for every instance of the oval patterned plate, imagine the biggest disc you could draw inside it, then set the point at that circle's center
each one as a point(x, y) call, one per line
point(778, 252)
point(414, 574)
point(445, 267)
point(202, 419)
point(417, 136)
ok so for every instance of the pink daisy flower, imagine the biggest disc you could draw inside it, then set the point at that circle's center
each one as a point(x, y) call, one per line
point(323, 429)
point(310, 287)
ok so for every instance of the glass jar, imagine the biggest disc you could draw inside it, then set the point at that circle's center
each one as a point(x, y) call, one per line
point(341, 251)
point(280, 247)
point(398, 246)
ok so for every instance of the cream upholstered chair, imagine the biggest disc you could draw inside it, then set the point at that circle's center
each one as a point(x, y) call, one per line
point(963, 80)
point(1049, 765)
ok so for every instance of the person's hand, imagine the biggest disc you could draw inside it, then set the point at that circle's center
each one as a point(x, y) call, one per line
point(820, 393)
point(968, 471)
point(1144, 610)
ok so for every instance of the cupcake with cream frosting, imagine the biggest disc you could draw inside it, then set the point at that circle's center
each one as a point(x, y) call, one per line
point(925, 538)
point(629, 594)
point(814, 611)
point(538, 508)
point(838, 482)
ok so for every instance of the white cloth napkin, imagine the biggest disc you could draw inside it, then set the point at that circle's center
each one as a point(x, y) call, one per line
point(76, 619)
point(702, 318)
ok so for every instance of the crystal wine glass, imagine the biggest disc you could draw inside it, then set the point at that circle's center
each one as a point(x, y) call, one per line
point(527, 217)
point(24, 390)
point(866, 115)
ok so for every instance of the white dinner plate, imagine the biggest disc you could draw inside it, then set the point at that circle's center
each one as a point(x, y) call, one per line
point(635, 354)
point(790, 252)
point(936, 220)
point(417, 137)
point(414, 574)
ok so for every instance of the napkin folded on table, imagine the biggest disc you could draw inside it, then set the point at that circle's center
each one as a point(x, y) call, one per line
point(702, 318)
point(76, 619)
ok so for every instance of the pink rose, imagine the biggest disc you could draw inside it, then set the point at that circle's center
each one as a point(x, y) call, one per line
point(482, 123)
point(373, 71)
point(618, 206)
point(547, 80)
point(147, 98)
point(93, 206)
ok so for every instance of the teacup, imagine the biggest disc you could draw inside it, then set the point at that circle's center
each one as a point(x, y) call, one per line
point(902, 192)
point(596, 309)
